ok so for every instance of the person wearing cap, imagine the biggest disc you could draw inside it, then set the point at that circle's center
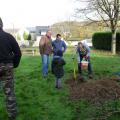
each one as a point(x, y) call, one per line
point(45, 48)
point(10, 56)
point(83, 51)
point(58, 62)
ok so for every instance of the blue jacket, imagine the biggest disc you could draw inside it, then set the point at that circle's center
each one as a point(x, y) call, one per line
point(58, 45)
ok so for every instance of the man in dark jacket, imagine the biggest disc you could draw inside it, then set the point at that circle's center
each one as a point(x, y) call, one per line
point(58, 63)
point(10, 56)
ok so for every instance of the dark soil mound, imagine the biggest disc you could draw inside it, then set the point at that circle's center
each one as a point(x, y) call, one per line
point(96, 92)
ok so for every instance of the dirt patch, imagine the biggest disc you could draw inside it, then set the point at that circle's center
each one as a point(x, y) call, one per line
point(96, 92)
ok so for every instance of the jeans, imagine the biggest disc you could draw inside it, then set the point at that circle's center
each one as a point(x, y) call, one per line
point(45, 64)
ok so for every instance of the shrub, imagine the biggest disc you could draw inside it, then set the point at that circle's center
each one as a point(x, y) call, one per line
point(29, 36)
point(118, 41)
point(26, 36)
point(102, 40)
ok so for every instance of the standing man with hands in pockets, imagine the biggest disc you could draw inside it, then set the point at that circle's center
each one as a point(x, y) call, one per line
point(45, 47)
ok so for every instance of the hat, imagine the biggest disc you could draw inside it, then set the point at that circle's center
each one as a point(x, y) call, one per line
point(59, 53)
point(1, 23)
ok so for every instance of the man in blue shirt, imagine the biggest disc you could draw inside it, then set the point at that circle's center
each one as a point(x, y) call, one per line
point(58, 44)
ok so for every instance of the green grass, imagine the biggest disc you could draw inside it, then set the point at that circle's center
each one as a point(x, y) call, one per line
point(37, 98)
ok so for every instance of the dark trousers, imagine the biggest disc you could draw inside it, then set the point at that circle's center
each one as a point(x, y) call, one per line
point(6, 78)
point(58, 83)
point(52, 67)
point(89, 66)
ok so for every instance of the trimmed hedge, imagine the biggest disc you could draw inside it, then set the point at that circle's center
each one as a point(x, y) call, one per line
point(118, 41)
point(102, 40)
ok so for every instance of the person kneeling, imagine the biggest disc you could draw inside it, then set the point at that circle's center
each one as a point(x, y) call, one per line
point(83, 51)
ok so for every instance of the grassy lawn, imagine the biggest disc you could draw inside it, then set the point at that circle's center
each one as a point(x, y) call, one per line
point(38, 99)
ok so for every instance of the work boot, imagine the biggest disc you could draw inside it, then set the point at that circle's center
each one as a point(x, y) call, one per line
point(90, 76)
point(12, 118)
point(80, 78)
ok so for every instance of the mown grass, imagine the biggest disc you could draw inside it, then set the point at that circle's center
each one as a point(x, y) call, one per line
point(38, 99)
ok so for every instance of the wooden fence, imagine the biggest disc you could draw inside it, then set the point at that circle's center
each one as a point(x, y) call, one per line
point(30, 51)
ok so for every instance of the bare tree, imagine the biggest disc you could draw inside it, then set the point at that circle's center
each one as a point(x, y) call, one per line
point(106, 10)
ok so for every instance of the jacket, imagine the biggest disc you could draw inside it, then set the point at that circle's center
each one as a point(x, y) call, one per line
point(9, 49)
point(45, 45)
point(58, 63)
point(81, 54)
point(58, 45)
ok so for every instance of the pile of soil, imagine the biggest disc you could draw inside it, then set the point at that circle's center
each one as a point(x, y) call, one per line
point(94, 91)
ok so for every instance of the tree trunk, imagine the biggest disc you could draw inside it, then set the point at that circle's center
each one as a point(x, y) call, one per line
point(113, 43)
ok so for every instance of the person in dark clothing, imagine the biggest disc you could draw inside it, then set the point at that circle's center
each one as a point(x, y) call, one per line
point(58, 63)
point(10, 56)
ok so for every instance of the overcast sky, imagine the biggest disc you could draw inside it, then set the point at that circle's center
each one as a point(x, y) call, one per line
point(28, 13)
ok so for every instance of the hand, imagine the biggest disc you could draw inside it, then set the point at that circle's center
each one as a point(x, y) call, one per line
point(63, 51)
point(52, 51)
point(73, 58)
point(87, 57)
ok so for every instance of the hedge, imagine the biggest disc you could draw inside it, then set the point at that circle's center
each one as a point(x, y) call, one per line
point(102, 40)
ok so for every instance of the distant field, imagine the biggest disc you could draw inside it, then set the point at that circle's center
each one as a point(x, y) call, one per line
point(38, 99)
